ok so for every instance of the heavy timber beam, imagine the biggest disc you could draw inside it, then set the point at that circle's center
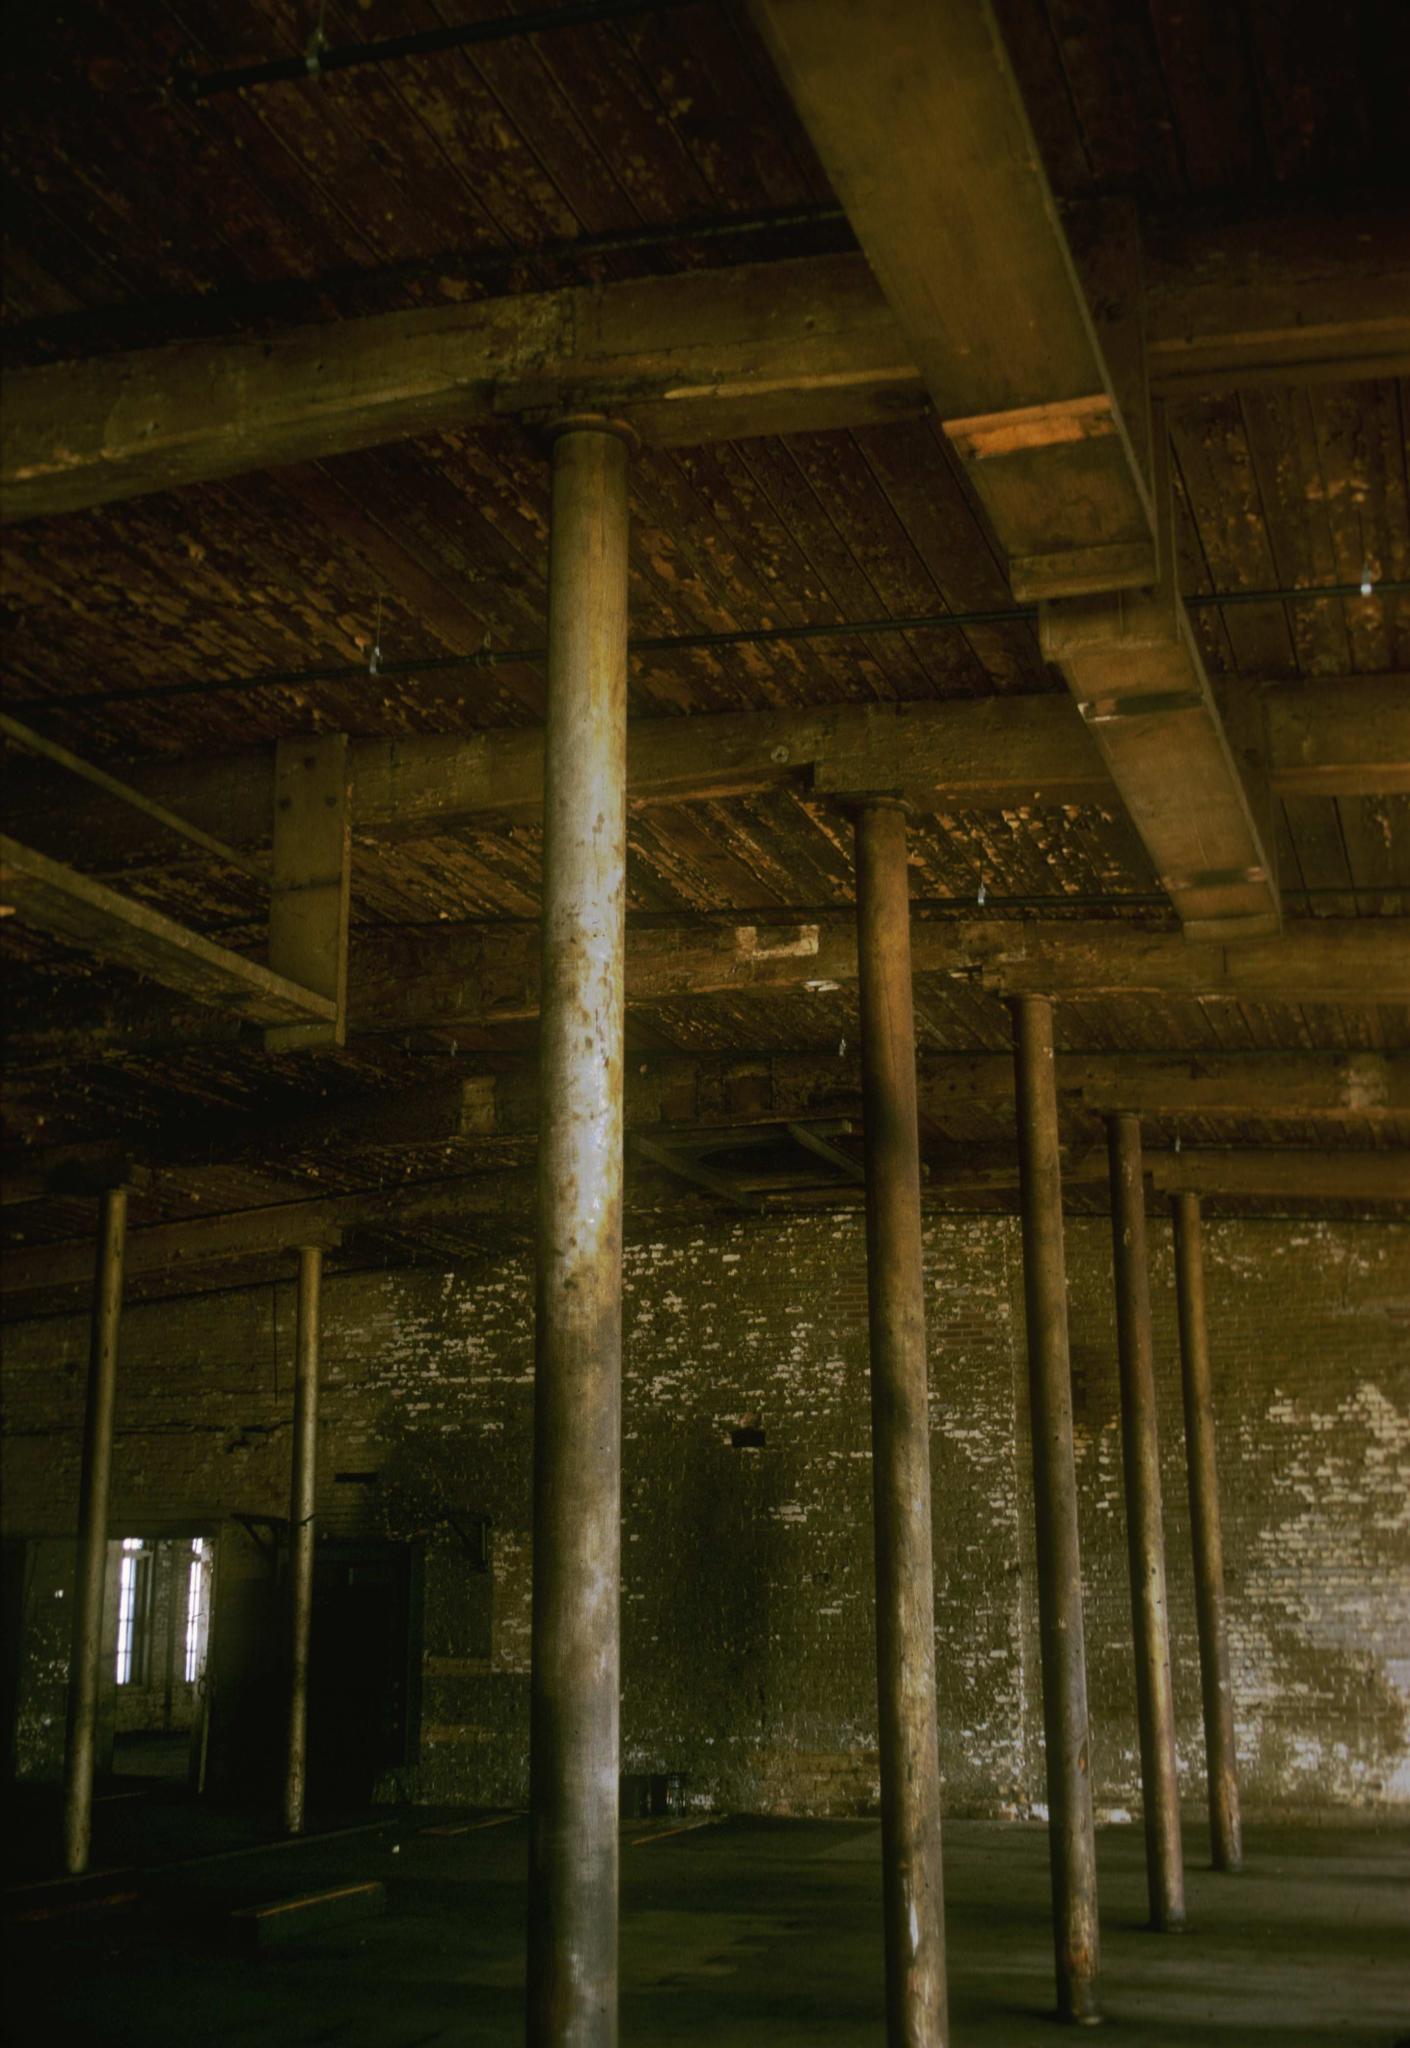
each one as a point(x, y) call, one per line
point(473, 976)
point(1347, 738)
point(704, 356)
point(681, 1094)
point(912, 1884)
point(1338, 736)
point(86, 1646)
point(403, 980)
point(175, 1250)
point(1216, 1684)
point(1071, 1832)
point(1131, 662)
point(916, 114)
point(769, 348)
point(1293, 300)
point(573, 1741)
point(1285, 1175)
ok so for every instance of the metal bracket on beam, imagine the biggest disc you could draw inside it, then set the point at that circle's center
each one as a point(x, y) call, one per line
point(311, 874)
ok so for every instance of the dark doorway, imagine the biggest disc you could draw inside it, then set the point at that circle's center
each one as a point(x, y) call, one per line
point(364, 1669)
point(364, 1704)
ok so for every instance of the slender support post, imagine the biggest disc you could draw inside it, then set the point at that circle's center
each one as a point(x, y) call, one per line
point(914, 1906)
point(1225, 1830)
point(91, 1568)
point(302, 1487)
point(1071, 1834)
point(572, 1944)
point(1145, 1538)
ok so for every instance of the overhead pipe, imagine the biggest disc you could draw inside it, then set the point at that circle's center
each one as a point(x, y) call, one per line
point(683, 643)
point(321, 57)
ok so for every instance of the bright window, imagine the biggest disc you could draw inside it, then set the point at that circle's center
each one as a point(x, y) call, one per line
point(134, 1603)
point(195, 1608)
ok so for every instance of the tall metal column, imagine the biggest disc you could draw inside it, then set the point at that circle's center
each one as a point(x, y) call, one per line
point(1225, 1830)
point(913, 1893)
point(1145, 1537)
point(91, 1567)
point(572, 1945)
point(1071, 1834)
point(302, 1489)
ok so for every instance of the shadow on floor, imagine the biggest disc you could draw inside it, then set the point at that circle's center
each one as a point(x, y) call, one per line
point(735, 1932)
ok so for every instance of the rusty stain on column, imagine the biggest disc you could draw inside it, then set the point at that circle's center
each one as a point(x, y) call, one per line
point(1071, 1834)
point(1226, 1835)
point(913, 1893)
point(572, 1939)
point(302, 1490)
point(95, 1482)
point(1145, 1536)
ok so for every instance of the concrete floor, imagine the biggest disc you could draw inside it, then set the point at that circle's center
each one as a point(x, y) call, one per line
point(737, 1932)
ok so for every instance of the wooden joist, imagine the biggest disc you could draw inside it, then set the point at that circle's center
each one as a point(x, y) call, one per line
point(916, 114)
point(125, 933)
point(770, 348)
point(700, 356)
point(1338, 736)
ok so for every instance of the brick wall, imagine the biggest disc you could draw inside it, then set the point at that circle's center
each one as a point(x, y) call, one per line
point(747, 1626)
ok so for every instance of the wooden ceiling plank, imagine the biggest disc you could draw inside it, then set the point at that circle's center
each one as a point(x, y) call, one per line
point(125, 933)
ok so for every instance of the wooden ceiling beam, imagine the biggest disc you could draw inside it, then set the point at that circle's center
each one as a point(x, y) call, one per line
point(471, 1203)
point(1347, 736)
point(681, 1094)
point(1284, 1175)
point(1299, 298)
point(1337, 736)
point(466, 978)
point(1132, 663)
point(125, 933)
point(915, 111)
point(705, 355)
point(699, 356)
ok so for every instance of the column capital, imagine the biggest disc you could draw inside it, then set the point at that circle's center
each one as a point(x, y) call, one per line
point(593, 423)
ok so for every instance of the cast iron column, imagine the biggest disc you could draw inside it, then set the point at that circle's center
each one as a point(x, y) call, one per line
point(1071, 1835)
point(91, 1567)
point(900, 1425)
point(572, 1950)
point(1145, 1538)
point(302, 1487)
point(1226, 1838)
